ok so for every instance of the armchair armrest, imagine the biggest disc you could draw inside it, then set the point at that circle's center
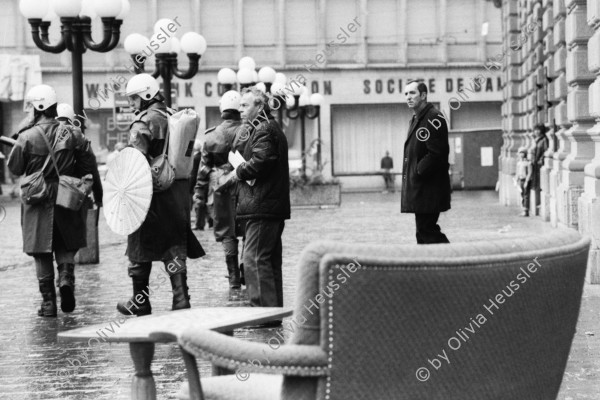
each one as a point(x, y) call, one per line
point(243, 357)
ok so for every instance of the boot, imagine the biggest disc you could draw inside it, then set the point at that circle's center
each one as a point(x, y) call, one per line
point(234, 271)
point(66, 286)
point(139, 303)
point(48, 307)
point(242, 276)
point(181, 299)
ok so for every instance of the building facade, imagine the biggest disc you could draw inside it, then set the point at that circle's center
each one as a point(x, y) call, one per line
point(379, 46)
point(553, 79)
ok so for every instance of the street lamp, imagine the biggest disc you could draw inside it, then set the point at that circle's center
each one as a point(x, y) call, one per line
point(76, 32)
point(302, 106)
point(247, 75)
point(191, 43)
point(227, 78)
point(266, 80)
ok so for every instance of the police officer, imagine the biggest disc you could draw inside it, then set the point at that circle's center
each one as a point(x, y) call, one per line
point(213, 167)
point(49, 229)
point(65, 113)
point(165, 235)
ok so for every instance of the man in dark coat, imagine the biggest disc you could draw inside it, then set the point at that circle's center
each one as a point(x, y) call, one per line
point(213, 167)
point(425, 179)
point(46, 227)
point(263, 197)
point(387, 165)
point(166, 234)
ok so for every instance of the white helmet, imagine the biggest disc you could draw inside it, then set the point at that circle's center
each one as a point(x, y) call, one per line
point(230, 101)
point(144, 85)
point(40, 97)
point(64, 110)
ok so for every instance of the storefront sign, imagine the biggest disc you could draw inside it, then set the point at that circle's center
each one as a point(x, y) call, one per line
point(449, 85)
point(123, 112)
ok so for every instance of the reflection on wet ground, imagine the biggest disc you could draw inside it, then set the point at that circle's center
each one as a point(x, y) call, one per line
point(34, 366)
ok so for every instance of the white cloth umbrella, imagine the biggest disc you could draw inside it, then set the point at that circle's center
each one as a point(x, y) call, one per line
point(127, 191)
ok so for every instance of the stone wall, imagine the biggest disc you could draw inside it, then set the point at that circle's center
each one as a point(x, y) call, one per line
point(554, 79)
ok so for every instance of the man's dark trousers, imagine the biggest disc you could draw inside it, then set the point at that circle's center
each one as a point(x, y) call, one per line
point(428, 231)
point(262, 262)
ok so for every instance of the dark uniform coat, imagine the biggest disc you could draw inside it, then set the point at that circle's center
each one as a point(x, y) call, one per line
point(264, 147)
point(425, 179)
point(41, 222)
point(166, 232)
point(213, 166)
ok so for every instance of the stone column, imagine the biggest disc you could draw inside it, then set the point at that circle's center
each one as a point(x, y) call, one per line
point(535, 32)
point(560, 110)
point(513, 95)
point(551, 101)
point(589, 203)
point(579, 78)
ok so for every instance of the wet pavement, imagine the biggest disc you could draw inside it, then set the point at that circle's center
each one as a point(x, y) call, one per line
point(34, 366)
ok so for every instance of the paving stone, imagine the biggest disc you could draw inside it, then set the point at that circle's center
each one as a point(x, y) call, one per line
point(33, 365)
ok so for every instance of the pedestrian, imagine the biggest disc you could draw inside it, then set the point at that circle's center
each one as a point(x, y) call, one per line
point(166, 234)
point(541, 145)
point(200, 207)
point(523, 176)
point(48, 228)
point(425, 179)
point(263, 202)
point(65, 113)
point(213, 167)
point(387, 165)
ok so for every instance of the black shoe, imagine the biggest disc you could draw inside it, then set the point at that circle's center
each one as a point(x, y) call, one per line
point(181, 299)
point(234, 271)
point(48, 306)
point(242, 276)
point(66, 286)
point(141, 292)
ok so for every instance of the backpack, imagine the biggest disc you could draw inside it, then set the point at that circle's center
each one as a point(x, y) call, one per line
point(176, 160)
point(183, 126)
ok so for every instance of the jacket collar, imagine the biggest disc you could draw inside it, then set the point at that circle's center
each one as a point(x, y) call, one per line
point(425, 109)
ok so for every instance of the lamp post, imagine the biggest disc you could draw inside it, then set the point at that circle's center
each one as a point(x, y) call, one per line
point(192, 43)
point(303, 106)
point(76, 32)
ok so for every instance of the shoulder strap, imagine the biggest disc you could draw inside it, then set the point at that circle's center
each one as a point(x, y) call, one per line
point(51, 151)
point(166, 115)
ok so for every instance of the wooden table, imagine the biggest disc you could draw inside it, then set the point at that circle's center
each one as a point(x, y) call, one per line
point(143, 332)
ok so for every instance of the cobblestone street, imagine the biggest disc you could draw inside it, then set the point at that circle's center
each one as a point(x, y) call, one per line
point(34, 366)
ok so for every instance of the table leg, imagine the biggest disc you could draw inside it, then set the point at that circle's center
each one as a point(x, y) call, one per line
point(142, 387)
point(216, 370)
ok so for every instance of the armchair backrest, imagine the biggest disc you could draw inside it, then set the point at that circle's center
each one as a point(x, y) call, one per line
point(461, 321)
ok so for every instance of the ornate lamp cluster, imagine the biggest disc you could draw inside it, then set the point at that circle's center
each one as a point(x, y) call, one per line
point(76, 31)
point(191, 43)
point(294, 96)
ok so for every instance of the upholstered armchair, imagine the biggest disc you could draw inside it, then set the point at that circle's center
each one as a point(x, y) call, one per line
point(478, 320)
